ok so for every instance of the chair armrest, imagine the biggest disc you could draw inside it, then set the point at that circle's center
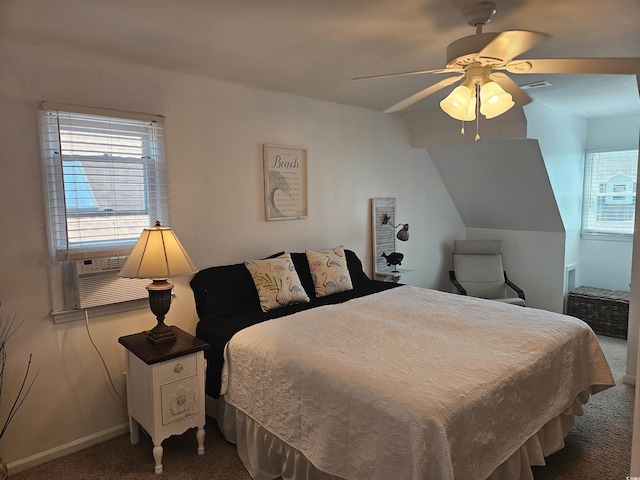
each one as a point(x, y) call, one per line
point(460, 288)
point(515, 288)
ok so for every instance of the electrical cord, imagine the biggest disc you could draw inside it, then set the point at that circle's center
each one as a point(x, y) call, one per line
point(104, 364)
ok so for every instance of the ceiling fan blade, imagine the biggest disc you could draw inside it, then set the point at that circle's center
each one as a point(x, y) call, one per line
point(511, 43)
point(576, 65)
point(416, 72)
point(505, 81)
point(423, 94)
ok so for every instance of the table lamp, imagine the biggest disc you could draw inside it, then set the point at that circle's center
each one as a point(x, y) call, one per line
point(403, 233)
point(158, 255)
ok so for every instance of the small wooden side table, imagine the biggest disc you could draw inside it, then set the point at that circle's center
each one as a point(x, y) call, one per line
point(165, 388)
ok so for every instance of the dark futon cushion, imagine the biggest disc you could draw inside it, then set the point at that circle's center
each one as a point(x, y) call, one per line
point(225, 290)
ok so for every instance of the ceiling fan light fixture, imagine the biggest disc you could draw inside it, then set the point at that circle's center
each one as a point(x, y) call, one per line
point(494, 100)
point(460, 104)
point(483, 56)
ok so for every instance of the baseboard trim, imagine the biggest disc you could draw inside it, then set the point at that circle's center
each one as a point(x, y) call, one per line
point(629, 379)
point(66, 449)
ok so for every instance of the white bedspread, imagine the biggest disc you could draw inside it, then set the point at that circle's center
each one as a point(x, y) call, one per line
point(412, 383)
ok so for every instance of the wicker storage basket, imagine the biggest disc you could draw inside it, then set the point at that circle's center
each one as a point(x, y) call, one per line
point(606, 311)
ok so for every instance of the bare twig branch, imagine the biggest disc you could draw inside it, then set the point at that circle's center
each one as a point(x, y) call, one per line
point(7, 329)
point(19, 400)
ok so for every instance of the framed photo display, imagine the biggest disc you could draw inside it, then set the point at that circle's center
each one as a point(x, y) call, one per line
point(285, 182)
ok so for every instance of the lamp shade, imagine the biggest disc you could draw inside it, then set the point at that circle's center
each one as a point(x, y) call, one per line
point(460, 104)
point(494, 100)
point(403, 233)
point(158, 255)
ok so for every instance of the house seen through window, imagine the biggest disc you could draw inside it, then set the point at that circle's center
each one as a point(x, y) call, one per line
point(609, 199)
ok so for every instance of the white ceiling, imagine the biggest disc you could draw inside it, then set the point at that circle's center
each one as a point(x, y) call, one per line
point(314, 48)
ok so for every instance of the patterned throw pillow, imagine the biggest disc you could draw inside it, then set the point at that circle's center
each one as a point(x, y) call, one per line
point(329, 271)
point(277, 282)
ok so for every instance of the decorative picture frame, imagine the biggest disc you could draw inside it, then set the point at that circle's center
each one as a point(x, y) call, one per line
point(383, 235)
point(285, 182)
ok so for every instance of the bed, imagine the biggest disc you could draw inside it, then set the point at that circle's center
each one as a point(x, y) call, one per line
point(384, 381)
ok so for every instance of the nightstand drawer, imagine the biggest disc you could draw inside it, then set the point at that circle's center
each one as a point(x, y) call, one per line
point(173, 370)
point(179, 400)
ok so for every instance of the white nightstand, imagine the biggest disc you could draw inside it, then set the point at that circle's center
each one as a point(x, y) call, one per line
point(165, 388)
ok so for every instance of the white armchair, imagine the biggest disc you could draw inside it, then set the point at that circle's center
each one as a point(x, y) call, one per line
point(478, 272)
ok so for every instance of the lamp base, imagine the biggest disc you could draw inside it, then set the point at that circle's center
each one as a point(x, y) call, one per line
point(157, 336)
point(160, 301)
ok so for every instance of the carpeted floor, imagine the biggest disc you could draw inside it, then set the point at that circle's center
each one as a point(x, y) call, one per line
point(597, 447)
point(118, 459)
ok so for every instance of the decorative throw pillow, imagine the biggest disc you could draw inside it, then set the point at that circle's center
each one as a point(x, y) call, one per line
point(277, 282)
point(329, 271)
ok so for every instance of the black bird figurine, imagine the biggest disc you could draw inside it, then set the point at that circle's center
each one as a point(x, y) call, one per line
point(394, 258)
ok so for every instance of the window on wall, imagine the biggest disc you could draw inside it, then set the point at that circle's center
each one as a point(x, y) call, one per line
point(610, 183)
point(105, 179)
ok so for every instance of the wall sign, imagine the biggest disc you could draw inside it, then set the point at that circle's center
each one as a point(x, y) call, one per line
point(285, 182)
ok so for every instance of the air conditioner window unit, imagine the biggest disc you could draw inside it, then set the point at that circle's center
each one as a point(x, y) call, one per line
point(99, 284)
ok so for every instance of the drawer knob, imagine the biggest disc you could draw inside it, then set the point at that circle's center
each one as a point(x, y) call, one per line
point(178, 368)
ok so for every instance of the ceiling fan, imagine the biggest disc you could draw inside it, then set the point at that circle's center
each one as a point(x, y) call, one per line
point(481, 61)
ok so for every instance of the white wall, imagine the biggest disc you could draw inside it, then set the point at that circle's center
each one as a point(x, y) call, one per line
point(606, 262)
point(215, 132)
point(632, 343)
point(616, 133)
point(562, 138)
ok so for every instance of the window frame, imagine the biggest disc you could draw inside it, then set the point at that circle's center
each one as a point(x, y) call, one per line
point(152, 163)
point(64, 274)
point(596, 194)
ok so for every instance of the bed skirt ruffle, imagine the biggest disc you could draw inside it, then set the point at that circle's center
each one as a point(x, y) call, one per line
point(270, 458)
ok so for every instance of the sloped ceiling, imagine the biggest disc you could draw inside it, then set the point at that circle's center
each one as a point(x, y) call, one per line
point(499, 184)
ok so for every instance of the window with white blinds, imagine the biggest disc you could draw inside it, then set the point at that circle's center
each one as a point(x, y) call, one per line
point(104, 179)
point(609, 198)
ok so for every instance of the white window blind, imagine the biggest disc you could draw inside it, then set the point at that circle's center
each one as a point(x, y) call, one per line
point(610, 192)
point(104, 179)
